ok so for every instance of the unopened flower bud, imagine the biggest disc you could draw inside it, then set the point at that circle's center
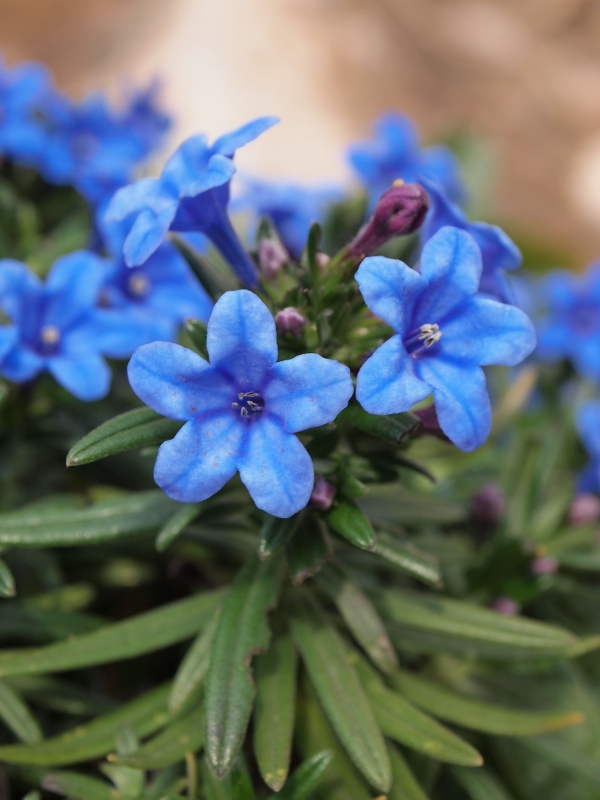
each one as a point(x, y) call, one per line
point(271, 257)
point(429, 422)
point(322, 260)
point(401, 209)
point(322, 494)
point(290, 320)
point(545, 565)
point(506, 606)
point(584, 509)
point(488, 505)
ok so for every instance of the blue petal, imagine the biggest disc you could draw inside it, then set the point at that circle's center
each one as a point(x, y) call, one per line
point(218, 171)
point(118, 332)
point(389, 289)
point(461, 400)
point(241, 338)
point(230, 142)
point(178, 383)
point(308, 391)
point(387, 382)
point(8, 339)
point(585, 353)
point(86, 376)
point(20, 290)
point(72, 288)
point(145, 193)
point(187, 161)
point(146, 234)
point(201, 458)
point(553, 339)
point(587, 418)
point(176, 291)
point(589, 479)
point(451, 265)
point(488, 332)
point(498, 251)
point(276, 469)
point(559, 289)
point(21, 364)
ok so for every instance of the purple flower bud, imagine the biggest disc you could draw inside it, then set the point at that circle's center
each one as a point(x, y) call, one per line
point(430, 423)
point(322, 494)
point(290, 320)
point(506, 606)
point(401, 209)
point(545, 565)
point(488, 505)
point(271, 257)
point(322, 260)
point(584, 509)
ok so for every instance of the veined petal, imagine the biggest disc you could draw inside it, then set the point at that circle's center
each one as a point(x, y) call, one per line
point(146, 234)
point(201, 458)
point(241, 338)
point(21, 364)
point(275, 468)
point(87, 376)
point(387, 382)
point(451, 265)
point(488, 332)
point(176, 382)
point(308, 391)
point(230, 142)
point(72, 288)
point(389, 289)
point(461, 400)
point(20, 290)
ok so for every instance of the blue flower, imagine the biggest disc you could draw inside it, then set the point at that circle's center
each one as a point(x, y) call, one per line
point(291, 207)
point(57, 327)
point(499, 253)
point(445, 333)
point(21, 88)
point(395, 153)
point(587, 420)
point(241, 410)
point(191, 195)
point(144, 119)
point(571, 326)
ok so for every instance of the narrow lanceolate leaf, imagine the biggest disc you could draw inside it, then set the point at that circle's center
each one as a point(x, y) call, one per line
point(275, 533)
point(94, 739)
point(307, 777)
point(351, 523)
point(479, 784)
point(141, 427)
point(478, 715)
point(175, 524)
point(101, 522)
point(183, 736)
point(361, 617)
point(429, 624)
point(409, 559)
point(143, 633)
point(16, 715)
point(275, 675)
point(393, 428)
point(340, 692)
point(82, 787)
point(390, 502)
point(242, 633)
point(308, 550)
point(565, 757)
point(7, 582)
point(192, 670)
point(405, 785)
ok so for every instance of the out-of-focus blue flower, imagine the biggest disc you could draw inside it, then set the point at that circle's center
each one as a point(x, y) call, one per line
point(587, 419)
point(395, 153)
point(241, 410)
point(144, 119)
point(191, 195)
point(57, 325)
point(291, 207)
point(21, 88)
point(159, 295)
point(445, 333)
point(499, 254)
point(571, 327)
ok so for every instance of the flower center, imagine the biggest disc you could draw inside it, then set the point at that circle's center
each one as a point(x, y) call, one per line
point(49, 339)
point(139, 285)
point(249, 404)
point(422, 338)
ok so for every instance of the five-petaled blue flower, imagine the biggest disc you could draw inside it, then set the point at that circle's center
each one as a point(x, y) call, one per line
point(499, 253)
point(445, 333)
point(571, 327)
point(395, 153)
point(57, 326)
point(241, 410)
point(587, 419)
point(191, 195)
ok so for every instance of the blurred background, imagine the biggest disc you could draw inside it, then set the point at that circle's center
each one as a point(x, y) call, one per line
point(516, 80)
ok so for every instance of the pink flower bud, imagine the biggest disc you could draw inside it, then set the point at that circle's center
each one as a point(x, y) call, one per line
point(271, 257)
point(506, 606)
point(290, 320)
point(584, 509)
point(545, 565)
point(322, 260)
point(429, 422)
point(322, 494)
point(488, 505)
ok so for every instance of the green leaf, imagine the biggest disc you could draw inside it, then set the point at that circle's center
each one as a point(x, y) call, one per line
point(480, 784)
point(16, 715)
point(197, 330)
point(40, 625)
point(135, 429)
point(428, 623)
point(96, 738)
point(241, 785)
point(7, 582)
point(143, 633)
point(275, 533)
point(307, 550)
point(215, 788)
point(351, 523)
point(175, 524)
point(405, 785)
point(74, 785)
point(192, 670)
point(275, 675)
point(409, 559)
point(361, 617)
point(183, 736)
point(103, 521)
point(306, 777)
point(478, 715)
point(394, 428)
point(339, 691)
point(309, 256)
point(242, 633)
point(61, 696)
point(390, 502)
point(562, 755)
